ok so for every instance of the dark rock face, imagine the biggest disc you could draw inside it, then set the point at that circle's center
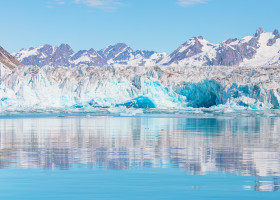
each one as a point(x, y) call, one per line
point(227, 56)
point(186, 50)
point(62, 55)
point(8, 60)
point(93, 58)
point(119, 50)
point(78, 55)
point(259, 32)
point(273, 40)
point(253, 42)
point(49, 55)
point(230, 40)
point(247, 51)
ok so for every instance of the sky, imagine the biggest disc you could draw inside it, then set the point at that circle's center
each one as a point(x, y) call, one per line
point(160, 25)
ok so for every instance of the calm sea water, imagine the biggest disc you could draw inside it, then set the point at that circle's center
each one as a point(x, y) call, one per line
point(149, 157)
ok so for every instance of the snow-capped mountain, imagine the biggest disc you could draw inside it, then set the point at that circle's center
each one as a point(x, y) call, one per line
point(8, 60)
point(88, 58)
point(196, 51)
point(262, 48)
point(116, 52)
point(119, 54)
point(46, 55)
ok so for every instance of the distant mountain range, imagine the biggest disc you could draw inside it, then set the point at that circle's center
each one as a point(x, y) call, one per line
point(262, 48)
point(63, 55)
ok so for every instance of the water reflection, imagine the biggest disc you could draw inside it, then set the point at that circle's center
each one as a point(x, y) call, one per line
point(245, 146)
point(265, 185)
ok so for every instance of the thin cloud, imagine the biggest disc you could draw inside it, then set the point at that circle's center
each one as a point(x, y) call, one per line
point(103, 4)
point(60, 2)
point(54, 3)
point(186, 3)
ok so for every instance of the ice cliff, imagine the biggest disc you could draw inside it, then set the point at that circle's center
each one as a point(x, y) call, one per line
point(162, 87)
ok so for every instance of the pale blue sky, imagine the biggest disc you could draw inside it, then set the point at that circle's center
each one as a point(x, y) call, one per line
point(160, 25)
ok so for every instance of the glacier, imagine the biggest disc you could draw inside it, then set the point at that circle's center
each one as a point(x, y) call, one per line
point(115, 89)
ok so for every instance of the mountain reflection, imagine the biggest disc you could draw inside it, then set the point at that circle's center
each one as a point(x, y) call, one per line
point(247, 146)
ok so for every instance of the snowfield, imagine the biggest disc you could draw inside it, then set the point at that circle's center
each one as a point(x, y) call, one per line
point(115, 89)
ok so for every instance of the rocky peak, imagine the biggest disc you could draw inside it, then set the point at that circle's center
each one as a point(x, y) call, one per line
point(112, 51)
point(92, 51)
point(195, 46)
point(46, 49)
point(229, 41)
point(120, 46)
point(78, 54)
point(196, 51)
point(275, 32)
point(186, 50)
point(272, 41)
point(259, 32)
point(64, 50)
point(88, 58)
point(65, 47)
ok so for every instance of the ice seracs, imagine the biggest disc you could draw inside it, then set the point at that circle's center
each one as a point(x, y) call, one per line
point(163, 87)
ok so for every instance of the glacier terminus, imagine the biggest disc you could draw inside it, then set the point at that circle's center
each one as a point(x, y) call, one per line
point(161, 87)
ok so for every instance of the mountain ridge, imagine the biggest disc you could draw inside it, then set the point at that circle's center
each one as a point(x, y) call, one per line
point(261, 48)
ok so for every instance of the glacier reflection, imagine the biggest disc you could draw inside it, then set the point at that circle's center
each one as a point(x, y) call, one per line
point(245, 146)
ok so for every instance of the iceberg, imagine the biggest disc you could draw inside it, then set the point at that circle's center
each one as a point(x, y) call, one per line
point(28, 88)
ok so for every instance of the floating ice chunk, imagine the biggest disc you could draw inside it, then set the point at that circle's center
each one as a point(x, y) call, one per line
point(123, 111)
